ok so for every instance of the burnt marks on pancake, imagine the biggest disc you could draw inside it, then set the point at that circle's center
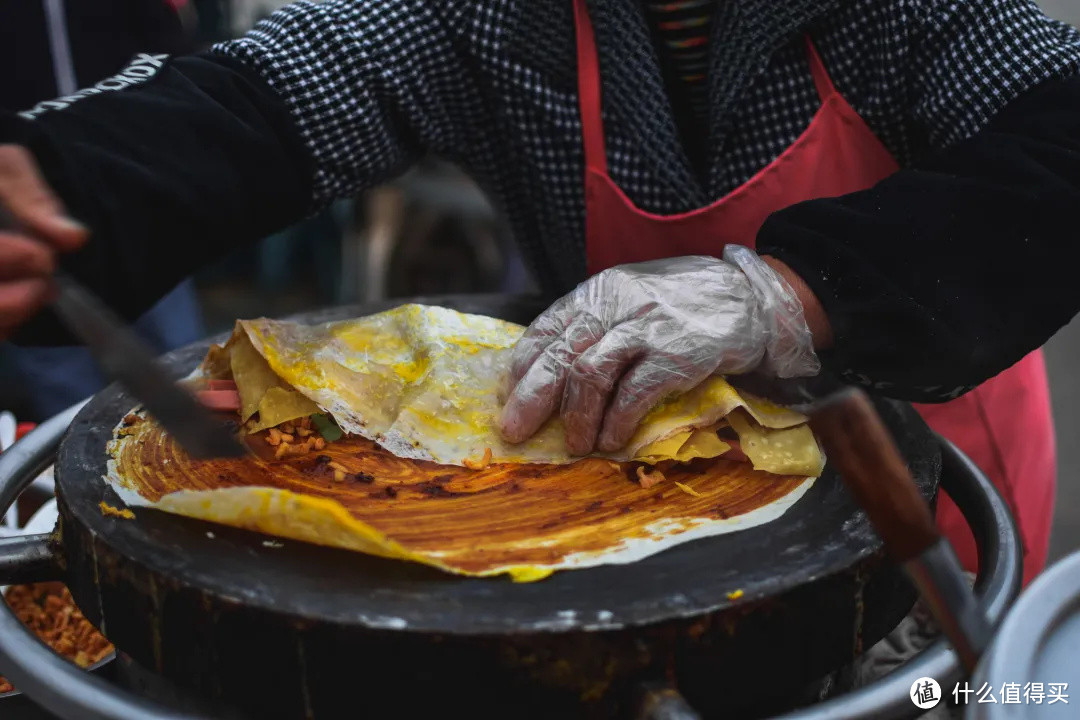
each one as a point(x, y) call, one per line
point(324, 465)
point(563, 517)
point(435, 490)
point(625, 471)
point(569, 517)
point(229, 478)
point(387, 493)
point(318, 467)
point(531, 471)
point(434, 487)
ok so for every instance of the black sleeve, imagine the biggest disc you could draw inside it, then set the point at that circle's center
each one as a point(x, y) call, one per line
point(197, 155)
point(168, 175)
point(953, 269)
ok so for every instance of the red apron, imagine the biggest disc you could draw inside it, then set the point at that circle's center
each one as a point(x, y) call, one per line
point(1004, 425)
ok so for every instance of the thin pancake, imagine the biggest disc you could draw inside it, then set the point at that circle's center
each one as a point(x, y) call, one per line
point(523, 519)
point(425, 383)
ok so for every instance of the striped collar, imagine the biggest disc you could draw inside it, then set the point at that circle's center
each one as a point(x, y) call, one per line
point(744, 36)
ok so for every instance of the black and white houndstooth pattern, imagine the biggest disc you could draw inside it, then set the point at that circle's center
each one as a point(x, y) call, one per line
point(491, 84)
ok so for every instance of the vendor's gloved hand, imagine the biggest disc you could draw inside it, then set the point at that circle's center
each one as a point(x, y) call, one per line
point(633, 335)
point(33, 229)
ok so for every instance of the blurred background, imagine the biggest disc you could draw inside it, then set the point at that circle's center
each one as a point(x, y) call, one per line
point(431, 231)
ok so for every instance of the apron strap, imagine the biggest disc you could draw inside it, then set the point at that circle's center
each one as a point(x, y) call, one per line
point(592, 123)
point(589, 93)
point(822, 81)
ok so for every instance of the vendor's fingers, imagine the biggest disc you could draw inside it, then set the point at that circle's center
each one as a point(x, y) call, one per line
point(19, 300)
point(22, 257)
point(31, 203)
point(641, 389)
point(537, 394)
point(548, 327)
point(590, 382)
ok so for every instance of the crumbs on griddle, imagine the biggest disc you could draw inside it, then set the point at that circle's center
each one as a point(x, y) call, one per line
point(688, 490)
point(480, 464)
point(388, 492)
point(109, 511)
point(648, 479)
point(295, 437)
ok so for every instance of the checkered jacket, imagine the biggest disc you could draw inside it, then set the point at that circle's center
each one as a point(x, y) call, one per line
point(491, 85)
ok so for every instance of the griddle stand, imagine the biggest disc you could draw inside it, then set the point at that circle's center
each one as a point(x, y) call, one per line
point(72, 693)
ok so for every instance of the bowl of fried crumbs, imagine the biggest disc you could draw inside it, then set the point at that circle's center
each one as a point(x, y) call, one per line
point(51, 613)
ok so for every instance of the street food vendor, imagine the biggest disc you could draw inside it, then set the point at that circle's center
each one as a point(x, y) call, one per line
point(905, 174)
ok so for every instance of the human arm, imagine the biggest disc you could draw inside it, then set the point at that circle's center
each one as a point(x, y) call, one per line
point(957, 266)
point(178, 161)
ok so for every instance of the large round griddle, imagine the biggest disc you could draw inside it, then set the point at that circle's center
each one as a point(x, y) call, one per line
point(231, 613)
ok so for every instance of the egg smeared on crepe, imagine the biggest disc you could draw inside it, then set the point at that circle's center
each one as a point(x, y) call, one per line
point(424, 382)
point(416, 392)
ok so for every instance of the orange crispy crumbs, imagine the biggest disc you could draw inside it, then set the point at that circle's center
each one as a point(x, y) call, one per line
point(108, 510)
point(688, 490)
point(480, 464)
point(295, 438)
point(50, 612)
point(648, 479)
point(285, 449)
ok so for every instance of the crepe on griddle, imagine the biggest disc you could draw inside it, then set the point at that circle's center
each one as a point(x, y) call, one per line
point(416, 391)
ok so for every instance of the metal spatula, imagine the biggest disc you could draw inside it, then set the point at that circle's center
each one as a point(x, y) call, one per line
point(124, 358)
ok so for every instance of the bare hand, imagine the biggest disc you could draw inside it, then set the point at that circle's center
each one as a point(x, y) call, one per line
point(34, 230)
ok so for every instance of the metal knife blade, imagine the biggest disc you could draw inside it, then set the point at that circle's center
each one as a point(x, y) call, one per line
point(124, 358)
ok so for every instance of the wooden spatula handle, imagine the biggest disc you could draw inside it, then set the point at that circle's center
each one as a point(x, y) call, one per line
point(859, 446)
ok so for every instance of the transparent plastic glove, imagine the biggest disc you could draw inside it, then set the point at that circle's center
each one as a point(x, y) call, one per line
point(633, 335)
